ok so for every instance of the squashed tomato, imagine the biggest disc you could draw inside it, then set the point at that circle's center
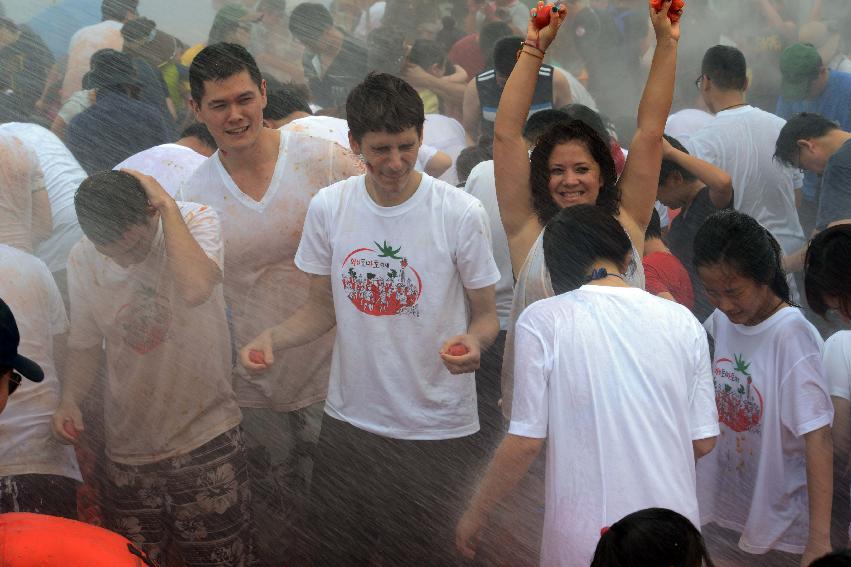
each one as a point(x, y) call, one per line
point(674, 12)
point(457, 350)
point(257, 357)
point(69, 428)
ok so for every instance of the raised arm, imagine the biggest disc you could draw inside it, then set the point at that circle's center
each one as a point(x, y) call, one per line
point(719, 181)
point(510, 153)
point(640, 179)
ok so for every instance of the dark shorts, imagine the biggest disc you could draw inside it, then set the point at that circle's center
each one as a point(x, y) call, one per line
point(390, 500)
point(49, 494)
point(199, 501)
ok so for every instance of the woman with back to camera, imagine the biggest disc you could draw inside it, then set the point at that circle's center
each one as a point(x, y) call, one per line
point(623, 428)
point(572, 165)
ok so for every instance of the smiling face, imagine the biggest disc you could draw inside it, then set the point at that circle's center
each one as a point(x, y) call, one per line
point(390, 159)
point(232, 110)
point(743, 300)
point(575, 178)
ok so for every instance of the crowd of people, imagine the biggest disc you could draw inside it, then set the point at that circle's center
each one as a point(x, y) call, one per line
point(409, 282)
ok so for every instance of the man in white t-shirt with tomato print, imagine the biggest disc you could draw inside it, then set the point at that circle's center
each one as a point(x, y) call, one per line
point(402, 263)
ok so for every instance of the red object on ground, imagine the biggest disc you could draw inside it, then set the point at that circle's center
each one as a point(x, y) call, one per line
point(542, 18)
point(257, 357)
point(674, 12)
point(70, 430)
point(457, 350)
point(28, 540)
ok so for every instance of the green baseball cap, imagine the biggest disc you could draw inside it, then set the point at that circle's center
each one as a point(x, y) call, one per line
point(800, 65)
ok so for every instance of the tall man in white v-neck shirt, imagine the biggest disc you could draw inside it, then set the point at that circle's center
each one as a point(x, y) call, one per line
point(260, 183)
point(402, 264)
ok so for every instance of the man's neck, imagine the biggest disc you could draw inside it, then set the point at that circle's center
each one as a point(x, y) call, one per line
point(725, 100)
point(653, 245)
point(835, 140)
point(692, 189)
point(253, 157)
point(333, 45)
point(382, 199)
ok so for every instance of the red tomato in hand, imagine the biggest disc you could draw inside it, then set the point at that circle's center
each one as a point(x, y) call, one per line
point(457, 350)
point(542, 18)
point(69, 428)
point(674, 12)
point(257, 357)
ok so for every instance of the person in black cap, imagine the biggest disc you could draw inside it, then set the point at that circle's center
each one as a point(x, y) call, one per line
point(118, 125)
point(13, 366)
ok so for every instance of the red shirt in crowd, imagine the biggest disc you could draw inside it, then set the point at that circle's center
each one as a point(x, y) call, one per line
point(664, 272)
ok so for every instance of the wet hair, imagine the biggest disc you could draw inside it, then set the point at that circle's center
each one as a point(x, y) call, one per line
point(138, 29)
point(589, 116)
point(540, 122)
point(574, 131)
point(669, 167)
point(383, 103)
point(218, 62)
point(200, 131)
point(385, 50)
point(726, 67)
point(827, 271)
point(835, 559)
point(117, 9)
point(426, 53)
point(654, 228)
point(803, 126)
point(491, 33)
point(739, 241)
point(108, 203)
point(576, 238)
point(655, 537)
point(284, 101)
point(505, 55)
point(310, 20)
point(469, 158)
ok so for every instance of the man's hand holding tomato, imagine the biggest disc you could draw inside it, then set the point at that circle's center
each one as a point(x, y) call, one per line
point(67, 423)
point(258, 355)
point(543, 37)
point(461, 363)
point(663, 26)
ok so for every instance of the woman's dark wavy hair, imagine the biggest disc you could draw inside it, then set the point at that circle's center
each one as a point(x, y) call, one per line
point(577, 237)
point(655, 537)
point(827, 269)
point(575, 131)
point(733, 238)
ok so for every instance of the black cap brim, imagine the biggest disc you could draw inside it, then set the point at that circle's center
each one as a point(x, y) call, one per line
point(28, 369)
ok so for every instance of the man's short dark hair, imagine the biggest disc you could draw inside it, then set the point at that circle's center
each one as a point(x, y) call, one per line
point(489, 35)
point(654, 227)
point(383, 103)
point(505, 55)
point(469, 158)
point(803, 126)
point(286, 100)
point(200, 131)
point(117, 9)
point(541, 121)
point(426, 53)
point(108, 203)
point(310, 20)
point(669, 167)
point(218, 62)
point(138, 29)
point(726, 68)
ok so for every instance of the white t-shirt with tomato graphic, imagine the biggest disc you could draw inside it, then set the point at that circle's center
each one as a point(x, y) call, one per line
point(168, 388)
point(770, 390)
point(398, 276)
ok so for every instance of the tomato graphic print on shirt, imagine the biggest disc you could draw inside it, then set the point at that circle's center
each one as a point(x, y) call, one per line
point(739, 401)
point(378, 281)
point(145, 321)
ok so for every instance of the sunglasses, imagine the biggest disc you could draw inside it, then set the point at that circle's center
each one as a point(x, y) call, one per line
point(14, 382)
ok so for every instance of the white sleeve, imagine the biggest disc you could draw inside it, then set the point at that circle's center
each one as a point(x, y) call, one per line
point(204, 226)
point(804, 400)
point(532, 367)
point(797, 178)
point(314, 250)
point(837, 364)
point(424, 156)
point(474, 252)
point(703, 412)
